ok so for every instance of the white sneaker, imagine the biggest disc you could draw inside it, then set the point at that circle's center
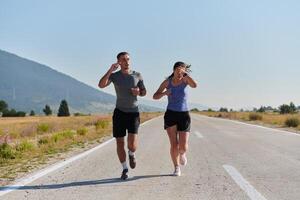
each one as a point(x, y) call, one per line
point(182, 159)
point(177, 171)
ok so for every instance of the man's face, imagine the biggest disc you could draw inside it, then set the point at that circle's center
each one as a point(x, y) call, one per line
point(124, 62)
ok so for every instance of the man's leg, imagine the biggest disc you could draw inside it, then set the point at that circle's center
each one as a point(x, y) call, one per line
point(121, 149)
point(122, 156)
point(132, 146)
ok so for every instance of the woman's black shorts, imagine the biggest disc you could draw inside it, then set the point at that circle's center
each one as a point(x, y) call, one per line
point(181, 119)
point(125, 121)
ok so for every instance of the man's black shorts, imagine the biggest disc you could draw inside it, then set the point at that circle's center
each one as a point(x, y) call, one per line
point(181, 119)
point(125, 121)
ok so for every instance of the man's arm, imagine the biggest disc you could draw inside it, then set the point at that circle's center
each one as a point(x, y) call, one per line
point(104, 81)
point(142, 92)
point(142, 89)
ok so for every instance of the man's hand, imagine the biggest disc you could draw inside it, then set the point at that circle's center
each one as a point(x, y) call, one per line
point(114, 67)
point(135, 91)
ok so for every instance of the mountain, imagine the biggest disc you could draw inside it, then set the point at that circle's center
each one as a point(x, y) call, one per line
point(27, 85)
point(162, 104)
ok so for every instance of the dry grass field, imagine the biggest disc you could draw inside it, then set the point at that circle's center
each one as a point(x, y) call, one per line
point(267, 119)
point(27, 143)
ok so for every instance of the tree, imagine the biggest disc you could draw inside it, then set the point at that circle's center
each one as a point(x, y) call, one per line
point(3, 105)
point(262, 109)
point(223, 110)
point(284, 109)
point(195, 110)
point(32, 113)
point(47, 110)
point(63, 109)
point(13, 113)
point(293, 108)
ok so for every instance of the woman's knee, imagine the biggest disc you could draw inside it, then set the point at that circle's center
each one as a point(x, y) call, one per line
point(183, 148)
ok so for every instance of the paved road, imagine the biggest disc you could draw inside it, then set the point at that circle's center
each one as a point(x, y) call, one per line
point(226, 160)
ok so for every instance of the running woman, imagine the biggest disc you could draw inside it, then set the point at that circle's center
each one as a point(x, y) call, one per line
point(177, 121)
point(126, 118)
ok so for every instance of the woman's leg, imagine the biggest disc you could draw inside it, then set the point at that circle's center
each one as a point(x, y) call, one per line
point(183, 142)
point(172, 133)
point(183, 147)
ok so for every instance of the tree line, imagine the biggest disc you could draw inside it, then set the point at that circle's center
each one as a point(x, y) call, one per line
point(6, 112)
point(282, 109)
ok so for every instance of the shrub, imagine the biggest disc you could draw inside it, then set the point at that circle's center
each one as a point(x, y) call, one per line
point(292, 122)
point(82, 131)
point(255, 116)
point(62, 135)
point(101, 124)
point(42, 128)
point(32, 113)
point(7, 152)
point(81, 114)
point(25, 146)
point(43, 140)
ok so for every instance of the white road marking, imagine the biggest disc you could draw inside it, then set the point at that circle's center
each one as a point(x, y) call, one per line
point(26, 180)
point(252, 193)
point(198, 134)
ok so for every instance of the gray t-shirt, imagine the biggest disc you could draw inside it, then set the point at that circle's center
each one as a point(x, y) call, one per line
point(123, 83)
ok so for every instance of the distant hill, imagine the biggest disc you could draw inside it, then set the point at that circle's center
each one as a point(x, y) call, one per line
point(27, 85)
point(162, 104)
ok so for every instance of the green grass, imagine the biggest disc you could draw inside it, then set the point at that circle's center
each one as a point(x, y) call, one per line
point(25, 146)
point(43, 140)
point(82, 131)
point(7, 151)
point(62, 135)
point(101, 124)
point(43, 128)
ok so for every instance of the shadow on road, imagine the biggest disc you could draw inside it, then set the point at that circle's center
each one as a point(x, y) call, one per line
point(80, 183)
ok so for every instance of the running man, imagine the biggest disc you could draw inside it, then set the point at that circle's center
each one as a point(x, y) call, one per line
point(177, 120)
point(126, 118)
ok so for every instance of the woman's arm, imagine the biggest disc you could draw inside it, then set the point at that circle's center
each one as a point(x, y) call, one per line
point(190, 81)
point(160, 92)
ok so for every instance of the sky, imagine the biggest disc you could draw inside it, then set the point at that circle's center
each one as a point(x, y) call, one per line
point(243, 54)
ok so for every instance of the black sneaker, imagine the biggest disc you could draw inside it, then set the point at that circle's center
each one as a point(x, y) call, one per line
point(124, 175)
point(132, 161)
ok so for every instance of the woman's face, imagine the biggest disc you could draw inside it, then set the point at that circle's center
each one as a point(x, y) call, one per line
point(179, 72)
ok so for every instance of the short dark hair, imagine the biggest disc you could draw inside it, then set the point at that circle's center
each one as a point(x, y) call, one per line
point(122, 54)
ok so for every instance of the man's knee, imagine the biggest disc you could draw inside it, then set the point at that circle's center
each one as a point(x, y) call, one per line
point(132, 146)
